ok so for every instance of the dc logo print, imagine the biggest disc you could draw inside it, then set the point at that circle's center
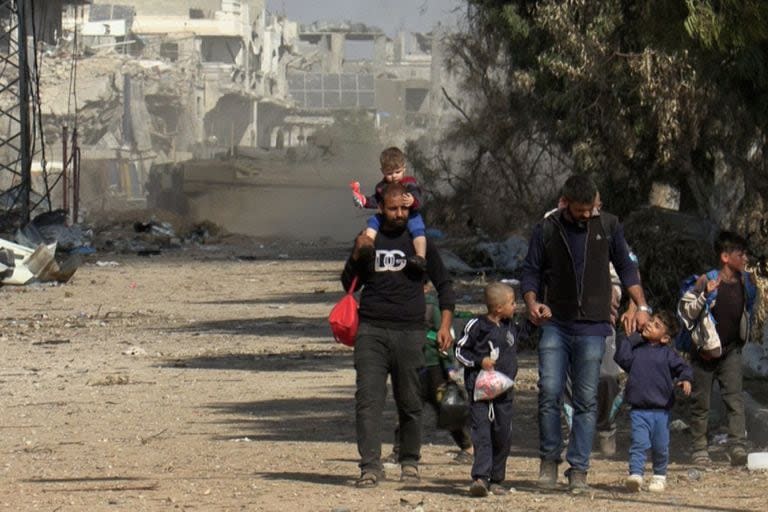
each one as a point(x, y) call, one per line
point(390, 261)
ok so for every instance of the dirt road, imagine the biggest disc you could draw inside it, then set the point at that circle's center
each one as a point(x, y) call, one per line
point(200, 381)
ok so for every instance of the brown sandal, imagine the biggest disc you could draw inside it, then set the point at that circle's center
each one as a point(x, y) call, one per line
point(367, 479)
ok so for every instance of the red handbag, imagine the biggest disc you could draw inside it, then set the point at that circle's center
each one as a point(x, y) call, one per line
point(343, 318)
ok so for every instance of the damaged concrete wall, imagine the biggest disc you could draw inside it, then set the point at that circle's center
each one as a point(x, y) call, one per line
point(270, 116)
point(136, 117)
point(166, 7)
point(228, 122)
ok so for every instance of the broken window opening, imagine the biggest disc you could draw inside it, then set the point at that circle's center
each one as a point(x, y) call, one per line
point(222, 50)
point(359, 50)
point(169, 51)
point(415, 99)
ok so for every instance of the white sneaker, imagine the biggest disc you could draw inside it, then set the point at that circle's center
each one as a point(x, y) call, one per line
point(658, 483)
point(633, 483)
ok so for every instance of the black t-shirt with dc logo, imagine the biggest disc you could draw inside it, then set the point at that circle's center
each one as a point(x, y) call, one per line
point(393, 293)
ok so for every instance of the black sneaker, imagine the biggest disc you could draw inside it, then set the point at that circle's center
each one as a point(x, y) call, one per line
point(478, 489)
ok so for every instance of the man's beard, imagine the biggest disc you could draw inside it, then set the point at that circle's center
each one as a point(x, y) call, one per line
point(395, 224)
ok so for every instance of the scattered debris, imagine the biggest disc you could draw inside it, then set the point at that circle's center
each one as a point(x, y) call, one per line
point(107, 264)
point(51, 342)
point(148, 233)
point(37, 264)
point(110, 380)
point(145, 440)
point(507, 255)
point(135, 351)
point(148, 252)
point(453, 263)
point(51, 227)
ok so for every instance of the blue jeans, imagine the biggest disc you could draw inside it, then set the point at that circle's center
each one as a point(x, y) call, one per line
point(559, 355)
point(650, 429)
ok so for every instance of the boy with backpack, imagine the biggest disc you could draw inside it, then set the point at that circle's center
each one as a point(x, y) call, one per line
point(435, 376)
point(718, 314)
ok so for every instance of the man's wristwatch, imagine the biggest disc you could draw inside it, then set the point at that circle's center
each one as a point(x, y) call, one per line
point(647, 309)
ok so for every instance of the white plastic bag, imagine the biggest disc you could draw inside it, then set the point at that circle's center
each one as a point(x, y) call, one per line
point(490, 384)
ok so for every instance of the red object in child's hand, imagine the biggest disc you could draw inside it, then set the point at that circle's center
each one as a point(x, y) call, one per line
point(357, 196)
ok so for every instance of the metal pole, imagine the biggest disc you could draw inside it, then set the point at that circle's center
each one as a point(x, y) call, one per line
point(64, 184)
point(75, 178)
point(26, 157)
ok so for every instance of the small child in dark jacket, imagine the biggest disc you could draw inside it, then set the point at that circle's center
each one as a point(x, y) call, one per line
point(654, 370)
point(490, 342)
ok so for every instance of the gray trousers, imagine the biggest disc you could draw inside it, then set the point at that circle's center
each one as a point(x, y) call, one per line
point(380, 352)
point(727, 370)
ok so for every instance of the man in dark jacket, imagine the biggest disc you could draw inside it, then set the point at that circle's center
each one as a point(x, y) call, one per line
point(566, 285)
point(391, 334)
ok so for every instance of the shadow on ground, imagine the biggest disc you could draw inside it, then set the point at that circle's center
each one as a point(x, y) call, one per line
point(279, 326)
point(310, 478)
point(323, 297)
point(302, 361)
point(301, 419)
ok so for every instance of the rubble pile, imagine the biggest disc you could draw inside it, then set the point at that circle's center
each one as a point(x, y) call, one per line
point(45, 250)
point(149, 232)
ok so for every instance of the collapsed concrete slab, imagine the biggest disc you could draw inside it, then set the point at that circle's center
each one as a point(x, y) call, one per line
point(37, 264)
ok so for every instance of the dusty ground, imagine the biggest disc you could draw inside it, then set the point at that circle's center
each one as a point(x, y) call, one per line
point(199, 381)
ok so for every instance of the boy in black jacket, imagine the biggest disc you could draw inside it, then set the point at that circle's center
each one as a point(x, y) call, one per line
point(489, 342)
point(653, 367)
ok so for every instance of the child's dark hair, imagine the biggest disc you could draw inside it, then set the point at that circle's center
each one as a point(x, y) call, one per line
point(579, 188)
point(670, 323)
point(728, 241)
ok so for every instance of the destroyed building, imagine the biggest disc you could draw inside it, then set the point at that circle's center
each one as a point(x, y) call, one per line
point(352, 66)
point(147, 83)
point(171, 81)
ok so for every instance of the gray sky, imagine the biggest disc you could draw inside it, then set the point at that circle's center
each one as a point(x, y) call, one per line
point(389, 15)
